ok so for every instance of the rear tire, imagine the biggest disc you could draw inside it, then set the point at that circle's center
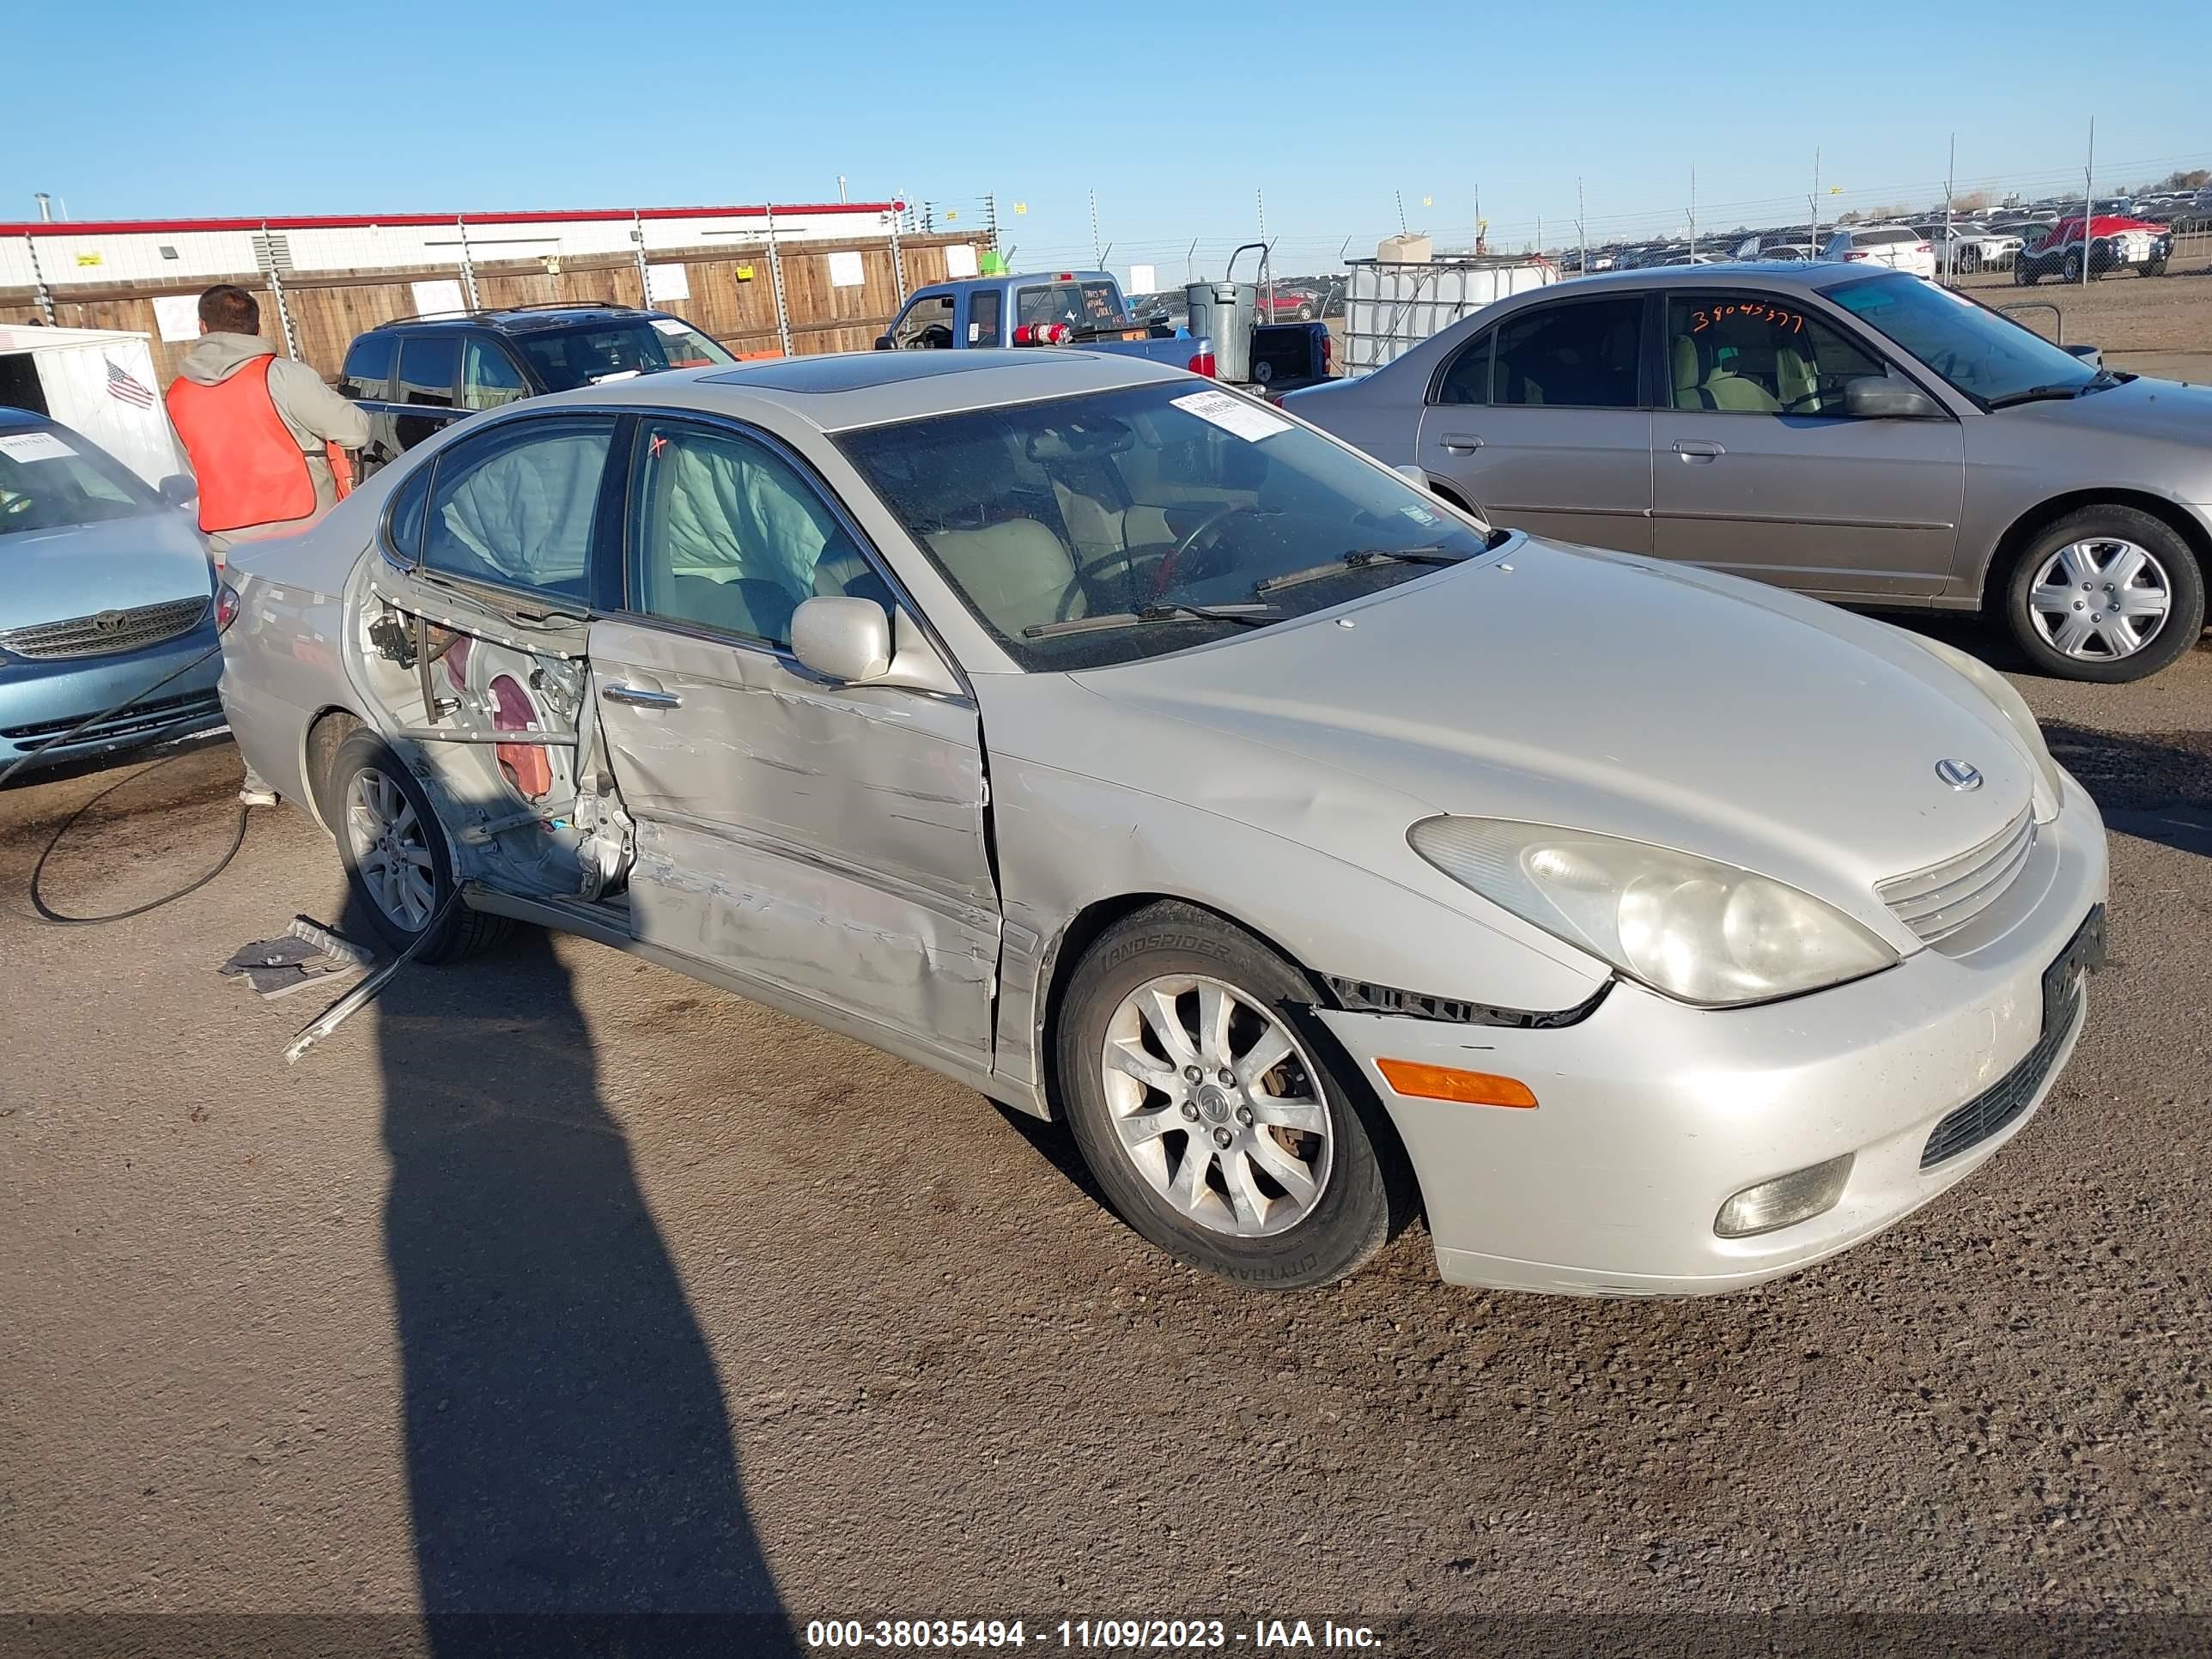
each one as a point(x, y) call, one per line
point(2071, 270)
point(1192, 1164)
point(2023, 274)
point(2104, 529)
point(395, 855)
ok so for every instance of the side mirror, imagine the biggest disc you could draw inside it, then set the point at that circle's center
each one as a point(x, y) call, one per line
point(1877, 397)
point(842, 638)
point(883, 343)
point(2087, 354)
point(179, 490)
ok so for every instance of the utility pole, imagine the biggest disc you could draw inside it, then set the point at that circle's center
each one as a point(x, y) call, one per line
point(1267, 254)
point(1098, 258)
point(1813, 201)
point(1945, 260)
point(1693, 213)
point(840, 188)
point(1401, 195)
point(1189, 262)
point(1478, 218)
point(2088, 199)
point(1582, 236)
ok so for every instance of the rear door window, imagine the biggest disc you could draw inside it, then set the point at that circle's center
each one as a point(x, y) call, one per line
point(429, 365)
point(515, 507)
point(1466, 379)
point(984, 327)
point(368, 373)
point(1576, 356)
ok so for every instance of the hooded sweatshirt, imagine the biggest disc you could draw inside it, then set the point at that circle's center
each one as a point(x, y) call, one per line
point(311, 411)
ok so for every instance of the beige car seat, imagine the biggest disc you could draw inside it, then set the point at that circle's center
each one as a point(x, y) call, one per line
point(1017, 572)
point(1700, 383)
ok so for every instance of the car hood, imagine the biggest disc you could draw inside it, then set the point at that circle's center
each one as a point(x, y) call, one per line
point(1565, 686)
point(2166, 410)
point(49, 575)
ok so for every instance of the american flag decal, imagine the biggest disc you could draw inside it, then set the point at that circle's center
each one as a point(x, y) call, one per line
point(124, 387)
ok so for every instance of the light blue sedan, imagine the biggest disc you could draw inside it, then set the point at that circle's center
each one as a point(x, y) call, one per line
point(107, 587)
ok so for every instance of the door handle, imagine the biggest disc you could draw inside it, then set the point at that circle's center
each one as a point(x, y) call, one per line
point(1697, 449)
point(616, 691)
point(1460, 443)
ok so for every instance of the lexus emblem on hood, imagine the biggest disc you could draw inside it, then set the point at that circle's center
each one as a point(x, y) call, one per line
point(1958, 775)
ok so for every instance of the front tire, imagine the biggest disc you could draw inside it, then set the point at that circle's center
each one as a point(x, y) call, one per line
point(2108, 593)
point(2023, 274)
point(1213, 1109)
point(395, 855)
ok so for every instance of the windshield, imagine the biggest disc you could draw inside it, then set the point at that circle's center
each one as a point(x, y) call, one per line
point(1982, 353)
point(566, 358)
point(50, 480)
point(1114, 509)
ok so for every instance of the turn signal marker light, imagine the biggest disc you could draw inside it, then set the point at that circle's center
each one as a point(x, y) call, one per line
point(1448, 1083)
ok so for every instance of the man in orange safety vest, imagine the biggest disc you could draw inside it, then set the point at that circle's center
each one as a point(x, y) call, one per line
point(262, 431)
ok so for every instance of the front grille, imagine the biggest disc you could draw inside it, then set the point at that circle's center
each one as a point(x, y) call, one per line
point(109, 634)
point(137, 720)
point(1997, 1105)
point(1937, 902)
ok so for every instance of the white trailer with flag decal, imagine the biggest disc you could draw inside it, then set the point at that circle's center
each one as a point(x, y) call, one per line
point(100, 381)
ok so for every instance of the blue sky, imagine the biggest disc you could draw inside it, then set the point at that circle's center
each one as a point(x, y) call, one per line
point(1180, 117)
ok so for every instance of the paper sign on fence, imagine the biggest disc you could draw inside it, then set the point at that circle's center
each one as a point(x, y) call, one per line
point(667, 282)
point(846, 270)
point(960, 261)
point(177, 316)
point(442, 295)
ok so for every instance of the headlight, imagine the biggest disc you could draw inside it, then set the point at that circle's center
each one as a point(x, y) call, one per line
point(1998, 690)
point(1703, 931)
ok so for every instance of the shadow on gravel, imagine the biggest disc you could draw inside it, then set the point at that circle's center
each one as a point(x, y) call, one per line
point(570, 1470)
point(2157, 786)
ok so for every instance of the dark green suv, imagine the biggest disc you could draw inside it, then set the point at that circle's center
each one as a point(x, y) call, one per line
point(415, 375)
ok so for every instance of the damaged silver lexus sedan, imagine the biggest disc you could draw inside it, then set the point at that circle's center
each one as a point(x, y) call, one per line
point(1132, 753)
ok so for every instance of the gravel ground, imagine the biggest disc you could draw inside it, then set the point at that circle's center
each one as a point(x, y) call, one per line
point(560, 1283)
point(2160, 325)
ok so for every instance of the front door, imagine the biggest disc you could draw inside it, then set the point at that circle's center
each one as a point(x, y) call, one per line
point(825, 839)
point(1538, 423)
point(1757, 471)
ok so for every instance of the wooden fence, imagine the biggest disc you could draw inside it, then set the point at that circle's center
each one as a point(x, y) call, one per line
point(733, 296)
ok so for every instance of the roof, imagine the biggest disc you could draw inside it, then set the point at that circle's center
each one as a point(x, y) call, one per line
point(835, 393)
point(375, 221)
point(1788, 273)
point(28, 337)
point(522, 319)
point(12, 419)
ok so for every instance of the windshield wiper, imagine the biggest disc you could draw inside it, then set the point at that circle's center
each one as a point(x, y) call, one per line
point(1244, 616)
point(2103, 377)
point(1358, 558)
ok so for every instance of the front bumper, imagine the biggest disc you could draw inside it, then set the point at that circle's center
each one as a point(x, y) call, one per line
point(1651, 1114)
point(40, 700)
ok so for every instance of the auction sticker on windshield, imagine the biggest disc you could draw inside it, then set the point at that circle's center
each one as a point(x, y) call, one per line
point(1232, 414)
point(33, 447)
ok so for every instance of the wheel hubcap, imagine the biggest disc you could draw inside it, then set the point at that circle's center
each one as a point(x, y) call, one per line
point(2100, 599)
point(1217, 1105)
point(389, 849)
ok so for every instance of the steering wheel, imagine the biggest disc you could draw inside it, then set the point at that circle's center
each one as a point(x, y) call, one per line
point(1210, 523)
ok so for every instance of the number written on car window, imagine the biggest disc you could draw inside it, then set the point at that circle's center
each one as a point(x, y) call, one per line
point(1779, 317)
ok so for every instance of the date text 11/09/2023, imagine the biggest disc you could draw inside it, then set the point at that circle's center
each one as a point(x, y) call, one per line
point(1090, 1634)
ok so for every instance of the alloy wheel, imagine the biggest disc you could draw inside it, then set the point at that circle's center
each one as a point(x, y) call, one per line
point(2100, 599)
point(1217, 1105)
point(390, 851)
